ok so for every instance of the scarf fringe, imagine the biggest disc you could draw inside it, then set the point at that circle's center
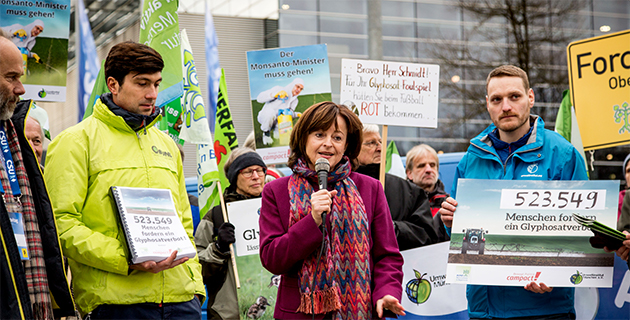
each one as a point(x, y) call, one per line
point(326, 300)
point(42, 310)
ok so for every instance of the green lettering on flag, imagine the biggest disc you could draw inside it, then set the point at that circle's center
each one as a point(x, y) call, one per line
point(224, 142)
point(224, 134)
point(159, 29)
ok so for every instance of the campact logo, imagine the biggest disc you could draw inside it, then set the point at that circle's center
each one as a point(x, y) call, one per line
point(418, 290)
point(42, 93)
point(520, 277)
point(576, 278)
point(160, 152)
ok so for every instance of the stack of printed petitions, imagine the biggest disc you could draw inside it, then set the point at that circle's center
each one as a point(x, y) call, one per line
point(611, 236)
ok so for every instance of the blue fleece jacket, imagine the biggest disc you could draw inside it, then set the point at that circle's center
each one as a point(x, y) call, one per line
point(545, 156)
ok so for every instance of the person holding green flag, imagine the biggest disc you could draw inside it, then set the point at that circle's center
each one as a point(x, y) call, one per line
point(245, 170)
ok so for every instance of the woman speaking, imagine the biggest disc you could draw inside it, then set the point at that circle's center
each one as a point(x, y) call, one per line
point(355, 272)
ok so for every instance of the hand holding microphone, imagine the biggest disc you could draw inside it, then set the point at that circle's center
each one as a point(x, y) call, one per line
point(321, 200)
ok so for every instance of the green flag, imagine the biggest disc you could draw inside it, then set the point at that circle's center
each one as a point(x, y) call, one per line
point(100, 87)
point(224, 142)
point(563, 119)
point(567, 126)
point(393, 162)
point(159, 29)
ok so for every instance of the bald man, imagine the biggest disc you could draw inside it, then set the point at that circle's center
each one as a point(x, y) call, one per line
point(33, 251)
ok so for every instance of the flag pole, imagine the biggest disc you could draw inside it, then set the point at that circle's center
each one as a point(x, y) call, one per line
point(225, 218)
point(381, 175)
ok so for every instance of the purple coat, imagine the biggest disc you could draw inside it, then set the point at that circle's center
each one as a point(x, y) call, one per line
point(282, 250)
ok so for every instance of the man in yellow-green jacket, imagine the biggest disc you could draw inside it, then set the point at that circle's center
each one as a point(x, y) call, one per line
point(118, 145)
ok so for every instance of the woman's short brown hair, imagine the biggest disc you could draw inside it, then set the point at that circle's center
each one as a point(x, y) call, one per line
point(322, 116)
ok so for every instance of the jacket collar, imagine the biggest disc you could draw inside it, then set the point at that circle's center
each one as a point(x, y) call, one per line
point(371, 170)
point(485, 148)
point(122, 119)
point(234, 196)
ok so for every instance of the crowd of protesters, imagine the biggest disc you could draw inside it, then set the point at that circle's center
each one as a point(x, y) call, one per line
point(336, 249)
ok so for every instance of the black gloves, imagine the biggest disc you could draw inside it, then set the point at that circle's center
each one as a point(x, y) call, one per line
point(225, 237)
point(600, 241)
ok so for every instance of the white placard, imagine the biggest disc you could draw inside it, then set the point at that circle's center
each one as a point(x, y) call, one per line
point(153, 229)
point(391, 93)
point(244, 216)
point(425, 291)
point(512, 232)
point(537, 199)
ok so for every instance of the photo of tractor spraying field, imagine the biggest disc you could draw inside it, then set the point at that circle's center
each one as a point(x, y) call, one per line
point(478, 246)
point(530, 223)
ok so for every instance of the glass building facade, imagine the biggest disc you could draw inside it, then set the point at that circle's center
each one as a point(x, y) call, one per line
point(467, 39)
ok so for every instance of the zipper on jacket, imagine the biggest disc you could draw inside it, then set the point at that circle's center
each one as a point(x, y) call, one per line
point(506, 159)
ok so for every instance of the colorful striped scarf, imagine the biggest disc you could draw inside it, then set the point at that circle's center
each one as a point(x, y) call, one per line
point(35, 267)
point(342, 281)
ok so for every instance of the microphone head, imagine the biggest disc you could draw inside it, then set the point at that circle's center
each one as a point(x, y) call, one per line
point(322, 164)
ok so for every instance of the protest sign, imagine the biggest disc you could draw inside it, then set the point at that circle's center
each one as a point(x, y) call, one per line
point(512, 232)
point(590, 303)
point(244, 216)
point(40, 30)
point(599, 76)
point(283, 83)
point(391, 93)
point(425, 291)
point(151, 224)
point(256, 281)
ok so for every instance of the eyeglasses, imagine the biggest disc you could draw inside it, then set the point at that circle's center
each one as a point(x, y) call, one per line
point(372, 144)
point(247, 173)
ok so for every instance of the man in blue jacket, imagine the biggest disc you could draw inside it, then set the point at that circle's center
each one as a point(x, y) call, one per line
point(516, 147)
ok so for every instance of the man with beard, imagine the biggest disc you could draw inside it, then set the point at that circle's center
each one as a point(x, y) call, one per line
point(31, 263)
point(516, 142)
point(408, 203)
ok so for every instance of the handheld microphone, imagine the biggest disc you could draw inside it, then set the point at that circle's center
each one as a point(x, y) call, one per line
point(322, 166)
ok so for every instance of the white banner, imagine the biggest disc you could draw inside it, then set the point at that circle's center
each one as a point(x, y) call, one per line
point(244, 216)
point(425, 291)
point(391, 93)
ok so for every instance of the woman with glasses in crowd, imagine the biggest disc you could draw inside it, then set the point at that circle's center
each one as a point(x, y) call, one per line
point(245, 170)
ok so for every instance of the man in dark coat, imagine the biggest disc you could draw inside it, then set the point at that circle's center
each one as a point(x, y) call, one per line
point(408, 204)
point(36, 255)
point(423, 167)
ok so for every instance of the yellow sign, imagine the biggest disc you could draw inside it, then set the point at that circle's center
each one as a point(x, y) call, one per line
point(599, 78)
